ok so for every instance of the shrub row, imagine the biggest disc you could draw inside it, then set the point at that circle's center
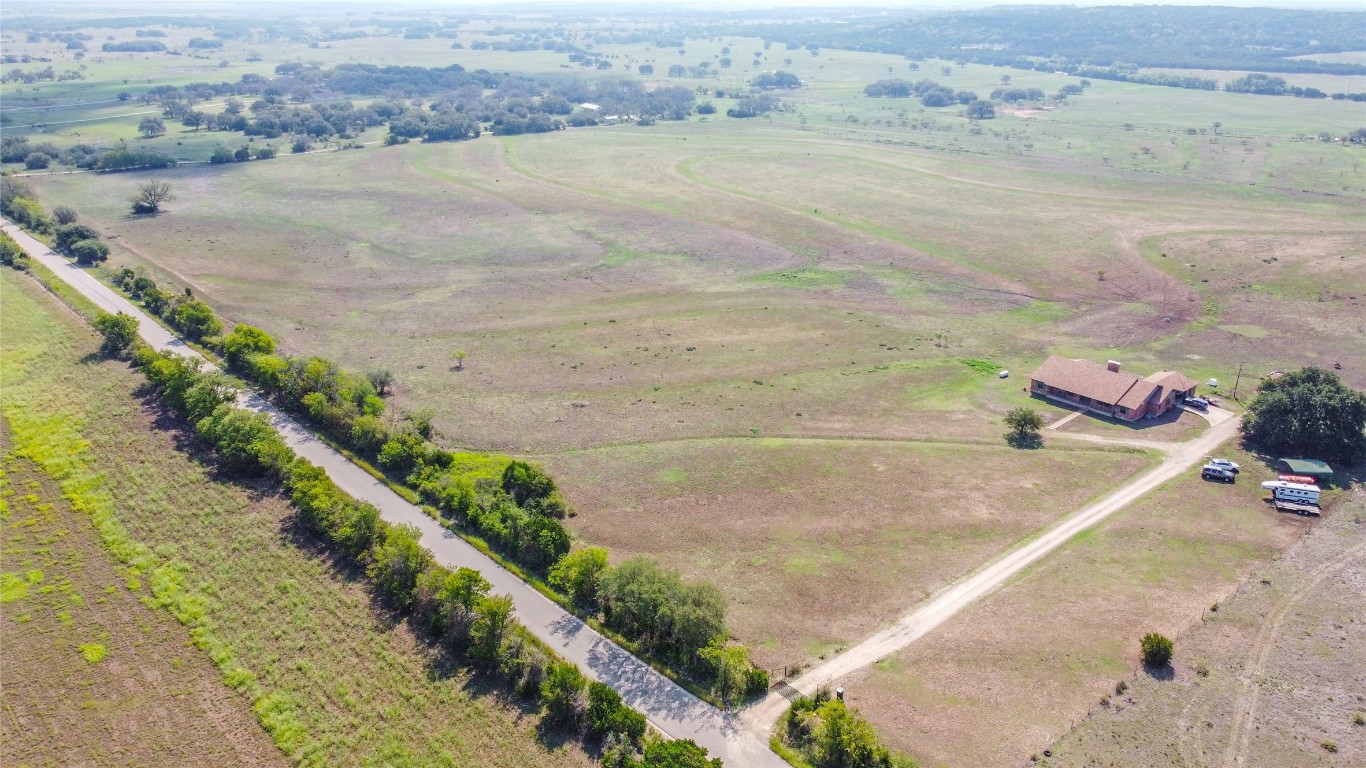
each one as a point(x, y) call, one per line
point(18, 204)
point(454, 607)
point(821, 732)
point(189, 315)
point(11, 255)
point(39, 155)
point(81, 242)
point(514, 506)
point(75, 240)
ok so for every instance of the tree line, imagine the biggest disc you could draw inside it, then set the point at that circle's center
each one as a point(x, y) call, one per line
point(453, 607)
point(1263, 84)
point(513, 506)
point(40, 155)
point(930, 93)
point(1128, 73)
point(1221, 38)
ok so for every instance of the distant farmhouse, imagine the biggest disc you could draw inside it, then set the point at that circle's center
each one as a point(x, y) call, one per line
point(1107, 390)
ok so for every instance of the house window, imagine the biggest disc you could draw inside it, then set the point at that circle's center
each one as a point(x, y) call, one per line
point(1123, 410)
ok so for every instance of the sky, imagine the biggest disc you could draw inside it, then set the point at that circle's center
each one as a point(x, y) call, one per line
point(114, 6)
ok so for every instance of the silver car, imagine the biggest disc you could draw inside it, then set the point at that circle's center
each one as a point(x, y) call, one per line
point(1223, 464)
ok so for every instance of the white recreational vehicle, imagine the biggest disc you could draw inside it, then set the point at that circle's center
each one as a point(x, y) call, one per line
point(1299, 493)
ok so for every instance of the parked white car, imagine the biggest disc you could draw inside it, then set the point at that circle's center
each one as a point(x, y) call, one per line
point(1223, 464)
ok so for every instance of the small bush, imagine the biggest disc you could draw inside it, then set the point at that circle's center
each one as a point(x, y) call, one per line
point(90, 252)
point(11, 255)
point(1157, 650)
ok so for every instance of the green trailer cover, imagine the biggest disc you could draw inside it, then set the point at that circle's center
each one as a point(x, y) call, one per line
point(1310, 467)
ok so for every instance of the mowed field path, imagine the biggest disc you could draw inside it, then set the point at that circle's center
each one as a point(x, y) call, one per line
point(669, 707)
point(739, 739)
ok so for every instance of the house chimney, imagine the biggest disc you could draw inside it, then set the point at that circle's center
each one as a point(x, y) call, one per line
point(1112, 365)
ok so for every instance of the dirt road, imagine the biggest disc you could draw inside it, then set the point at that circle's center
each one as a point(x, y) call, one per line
point(669, 707)
point(949, 601)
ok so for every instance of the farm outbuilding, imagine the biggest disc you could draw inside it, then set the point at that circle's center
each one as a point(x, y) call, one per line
point(1107, 390)
point(1309, 468)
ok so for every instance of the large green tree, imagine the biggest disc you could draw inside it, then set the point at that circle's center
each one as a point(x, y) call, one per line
point(730, 664)
point(580, 574)
point(562, 692)
point(195, 319)
point(1308, 413)
point(1024, 424)
point(398, 561)
point(845, 740)
point(684, 753)
point(119, 332)
point(245, 341)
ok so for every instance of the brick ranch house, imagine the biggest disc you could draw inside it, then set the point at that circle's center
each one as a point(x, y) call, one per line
point(1107, 390)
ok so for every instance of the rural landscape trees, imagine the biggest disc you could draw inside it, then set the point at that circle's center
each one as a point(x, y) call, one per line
point(1307, 413)
point(119, 332)
point(825, 733)
point(151, 127)
point(1024, 424)
point(150, 195)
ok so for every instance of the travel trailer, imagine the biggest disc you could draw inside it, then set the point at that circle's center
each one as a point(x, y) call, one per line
point(1300, 493)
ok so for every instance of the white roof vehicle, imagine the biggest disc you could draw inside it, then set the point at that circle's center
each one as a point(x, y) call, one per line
point(1300, 492)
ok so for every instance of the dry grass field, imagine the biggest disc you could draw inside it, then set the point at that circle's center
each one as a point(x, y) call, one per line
point(1029, 662)
point(334, 675)
point(1274, 677)
point(819, 541)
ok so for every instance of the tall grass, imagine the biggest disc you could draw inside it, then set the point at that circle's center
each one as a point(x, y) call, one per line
point(332, 677)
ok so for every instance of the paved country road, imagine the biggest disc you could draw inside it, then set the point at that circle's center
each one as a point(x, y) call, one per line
point(669, 707)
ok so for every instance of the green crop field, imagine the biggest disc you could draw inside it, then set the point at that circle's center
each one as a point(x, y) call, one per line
point(333, 675)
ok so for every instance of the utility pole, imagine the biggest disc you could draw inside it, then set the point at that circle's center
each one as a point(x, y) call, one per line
point(1236, 380)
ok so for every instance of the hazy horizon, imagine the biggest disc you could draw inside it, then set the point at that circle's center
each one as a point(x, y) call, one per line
point(55, 6)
